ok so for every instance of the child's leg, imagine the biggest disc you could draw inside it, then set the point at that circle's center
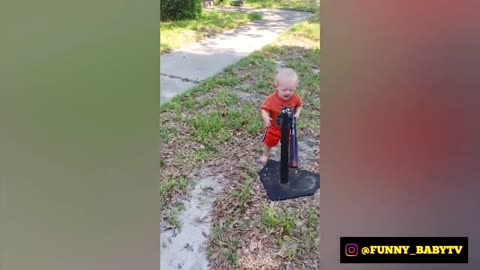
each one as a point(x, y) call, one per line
point(266, 154)
point(270, 139)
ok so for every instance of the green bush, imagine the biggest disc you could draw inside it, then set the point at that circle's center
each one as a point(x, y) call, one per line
point(173, 10)
point(236, 3)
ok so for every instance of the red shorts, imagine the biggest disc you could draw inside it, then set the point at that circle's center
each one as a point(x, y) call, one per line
point(272, 136)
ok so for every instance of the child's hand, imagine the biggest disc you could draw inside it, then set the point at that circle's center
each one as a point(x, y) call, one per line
point(266, 118)
point(267, 122)
point(297, 113)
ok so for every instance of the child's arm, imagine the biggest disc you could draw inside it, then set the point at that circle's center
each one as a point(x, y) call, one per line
point(266, 118)
point(298, 107)
point(297, 112)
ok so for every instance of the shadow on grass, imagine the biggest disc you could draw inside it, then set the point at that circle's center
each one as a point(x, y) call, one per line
point(164, 48)
point(212, 19)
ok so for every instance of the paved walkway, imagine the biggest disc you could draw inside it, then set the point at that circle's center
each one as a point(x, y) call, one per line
point(183, 69)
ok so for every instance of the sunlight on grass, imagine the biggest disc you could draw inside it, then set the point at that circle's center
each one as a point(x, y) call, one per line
point(308, 32)
point(174, 35)
point(300, 5)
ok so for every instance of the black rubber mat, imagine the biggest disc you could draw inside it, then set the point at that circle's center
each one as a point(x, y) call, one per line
point(300, 182)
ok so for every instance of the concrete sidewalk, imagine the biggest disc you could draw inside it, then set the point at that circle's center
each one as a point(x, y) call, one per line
point(183, 69)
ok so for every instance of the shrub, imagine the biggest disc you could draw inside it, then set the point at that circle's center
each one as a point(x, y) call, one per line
point(172, 10)
point(237, 3)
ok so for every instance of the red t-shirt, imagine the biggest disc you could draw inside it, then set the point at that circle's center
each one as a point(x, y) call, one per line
point(275, 104)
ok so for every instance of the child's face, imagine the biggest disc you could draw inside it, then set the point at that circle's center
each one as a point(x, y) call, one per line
point(285, 89)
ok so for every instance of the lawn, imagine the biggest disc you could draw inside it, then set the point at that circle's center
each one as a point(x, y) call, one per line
point(300, 5)
point(176, 34)
point(217, 125)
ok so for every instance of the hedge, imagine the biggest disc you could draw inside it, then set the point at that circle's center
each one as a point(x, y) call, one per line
point(172, 10)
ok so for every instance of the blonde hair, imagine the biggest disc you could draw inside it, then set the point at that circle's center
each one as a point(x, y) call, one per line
point(286, 74)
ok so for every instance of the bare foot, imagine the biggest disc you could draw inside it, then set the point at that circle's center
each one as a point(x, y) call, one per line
point(263, 160)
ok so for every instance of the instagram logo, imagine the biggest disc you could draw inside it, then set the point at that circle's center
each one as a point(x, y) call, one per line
point(351, 250)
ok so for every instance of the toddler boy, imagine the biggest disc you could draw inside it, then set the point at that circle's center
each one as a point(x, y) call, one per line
point(286, 82)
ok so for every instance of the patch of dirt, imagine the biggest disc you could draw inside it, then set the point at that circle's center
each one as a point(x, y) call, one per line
point(254, 98)
point(185, 248)
point(248, 80)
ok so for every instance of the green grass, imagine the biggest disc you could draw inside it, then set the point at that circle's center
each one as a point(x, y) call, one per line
point(169, 187)
point(276, 222)
point(227, 244)
point(312, 235)
point(210, 129)
point(300, 5)
point(207, 126)
point(203, 154)
point(167, 134)
point(308, 31)
point(174, 35)
point(167, 190)
point(173, 218)
point(243, 194)
point(254, 16)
